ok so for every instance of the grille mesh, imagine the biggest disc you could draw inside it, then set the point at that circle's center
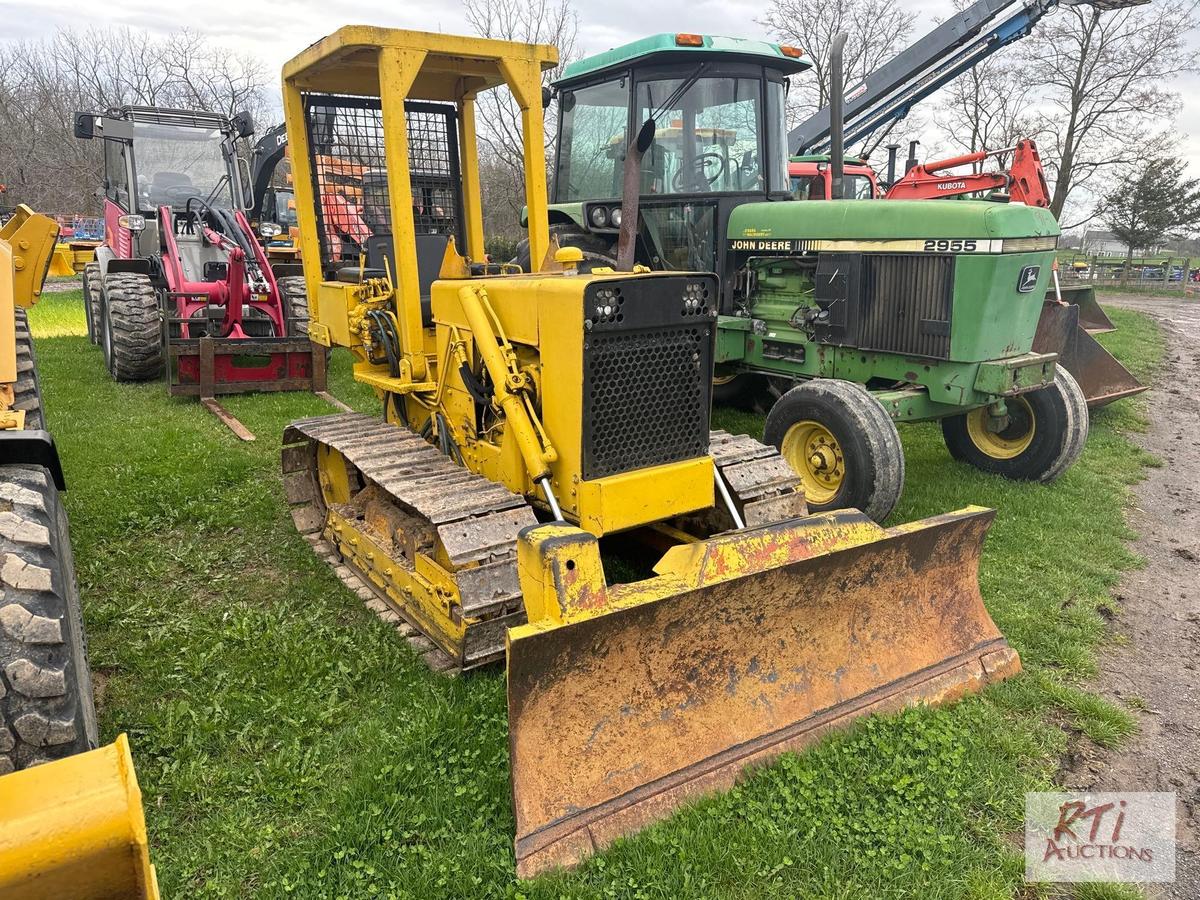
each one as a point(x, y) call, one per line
point(906, 303)
point(646, 401)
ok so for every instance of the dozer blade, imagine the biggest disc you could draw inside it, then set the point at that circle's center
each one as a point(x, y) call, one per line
point(1101, 377)
point(626, 702)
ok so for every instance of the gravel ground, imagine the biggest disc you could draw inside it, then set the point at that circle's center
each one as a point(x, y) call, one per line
point(1159, 666)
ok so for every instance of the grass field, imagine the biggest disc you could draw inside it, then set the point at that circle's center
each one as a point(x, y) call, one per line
point(289, 745)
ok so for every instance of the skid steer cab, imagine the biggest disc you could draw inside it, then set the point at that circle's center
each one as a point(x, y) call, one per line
point(181, 283)
point(539, 419)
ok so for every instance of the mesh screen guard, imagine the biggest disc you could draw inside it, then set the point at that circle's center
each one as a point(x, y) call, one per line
point(350, 177)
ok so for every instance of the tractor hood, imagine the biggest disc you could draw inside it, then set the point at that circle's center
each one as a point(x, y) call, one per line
point(890, 220)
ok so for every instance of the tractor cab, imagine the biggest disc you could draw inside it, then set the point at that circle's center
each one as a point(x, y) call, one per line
point(811, 178)
point(719, 141)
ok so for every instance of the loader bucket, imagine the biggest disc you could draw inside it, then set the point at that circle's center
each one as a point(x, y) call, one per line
point(75, 828)
point(1100, 376)
point(627, 702)
point(1092, 318)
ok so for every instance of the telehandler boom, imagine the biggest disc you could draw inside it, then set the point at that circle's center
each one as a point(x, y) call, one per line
point(535, 419)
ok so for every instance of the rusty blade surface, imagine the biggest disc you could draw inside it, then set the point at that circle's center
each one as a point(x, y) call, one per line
point(617, 720)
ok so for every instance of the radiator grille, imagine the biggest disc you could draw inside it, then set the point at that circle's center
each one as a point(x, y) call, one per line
point(906, 304)
point(647, 398)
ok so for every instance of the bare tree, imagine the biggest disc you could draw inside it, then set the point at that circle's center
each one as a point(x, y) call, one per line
point(986, 108)
point(877, 29)
point(43, 82)
point(502, 152)
point(1102, 80)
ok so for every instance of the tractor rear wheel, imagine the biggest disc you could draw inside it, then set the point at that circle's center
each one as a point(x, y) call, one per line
point(293, 292)
point(91, 300)
point(745, 390)
point(1044, 435)
point(842, 444)
point(131, 330)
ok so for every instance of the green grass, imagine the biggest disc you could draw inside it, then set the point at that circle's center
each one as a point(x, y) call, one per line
point(288, 745)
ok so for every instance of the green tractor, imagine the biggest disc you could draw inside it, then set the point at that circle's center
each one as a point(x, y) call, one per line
point(848, 315)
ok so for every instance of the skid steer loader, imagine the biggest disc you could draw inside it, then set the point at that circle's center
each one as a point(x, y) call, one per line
point(182, 284)
point(71, 821)
point(532, 419)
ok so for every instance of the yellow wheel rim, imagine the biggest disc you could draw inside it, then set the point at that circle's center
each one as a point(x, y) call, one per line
point(815, 455)
point(723, 379)
point(1013, 440)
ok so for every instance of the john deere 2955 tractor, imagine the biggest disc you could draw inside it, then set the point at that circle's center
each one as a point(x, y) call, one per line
point(876, 311)
point(532, 420)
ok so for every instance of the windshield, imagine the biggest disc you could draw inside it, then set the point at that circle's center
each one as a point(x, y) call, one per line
point(813, 187)
point(707, 139)
point(592, 142)
point(174, 163)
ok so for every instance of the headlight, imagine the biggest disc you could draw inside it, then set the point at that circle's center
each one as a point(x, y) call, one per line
point(269, 229)
point(598, 216)
point(615, 218)
point(133, 223)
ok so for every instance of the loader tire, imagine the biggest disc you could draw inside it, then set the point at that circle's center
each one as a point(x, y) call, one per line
point(293, 292)
point(27, 392)
point(132, 329)
point(1045, 436)
point(46, 706)
point(91, 300)
point(597, 251)
point(842, 444)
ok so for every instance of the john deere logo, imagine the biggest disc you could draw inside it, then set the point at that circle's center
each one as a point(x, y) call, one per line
point(1028, 279)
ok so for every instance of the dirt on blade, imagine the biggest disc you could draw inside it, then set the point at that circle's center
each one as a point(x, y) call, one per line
point(1157, 672)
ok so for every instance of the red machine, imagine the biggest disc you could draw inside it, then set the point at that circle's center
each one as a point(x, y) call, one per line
point(181, 283)
point(1025, 181)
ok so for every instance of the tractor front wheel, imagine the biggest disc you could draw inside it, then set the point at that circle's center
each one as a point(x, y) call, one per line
point(91, 300)
point(842, 444)
point(131, 330)
point(1041, 437)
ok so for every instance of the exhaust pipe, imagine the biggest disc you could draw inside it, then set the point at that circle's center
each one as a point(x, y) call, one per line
point(911, 162)
point(893, 150)
point(627, 238)
point(836, 123)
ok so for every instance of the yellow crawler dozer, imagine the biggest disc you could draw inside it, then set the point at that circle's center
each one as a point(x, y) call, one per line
point(539, 426)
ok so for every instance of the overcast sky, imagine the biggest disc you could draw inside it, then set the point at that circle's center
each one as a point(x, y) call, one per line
point(275, 30)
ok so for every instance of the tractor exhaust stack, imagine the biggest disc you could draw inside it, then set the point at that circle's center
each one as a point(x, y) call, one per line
point(837, 150)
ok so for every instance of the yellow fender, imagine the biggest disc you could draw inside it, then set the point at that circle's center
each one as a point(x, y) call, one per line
point(75, 828)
